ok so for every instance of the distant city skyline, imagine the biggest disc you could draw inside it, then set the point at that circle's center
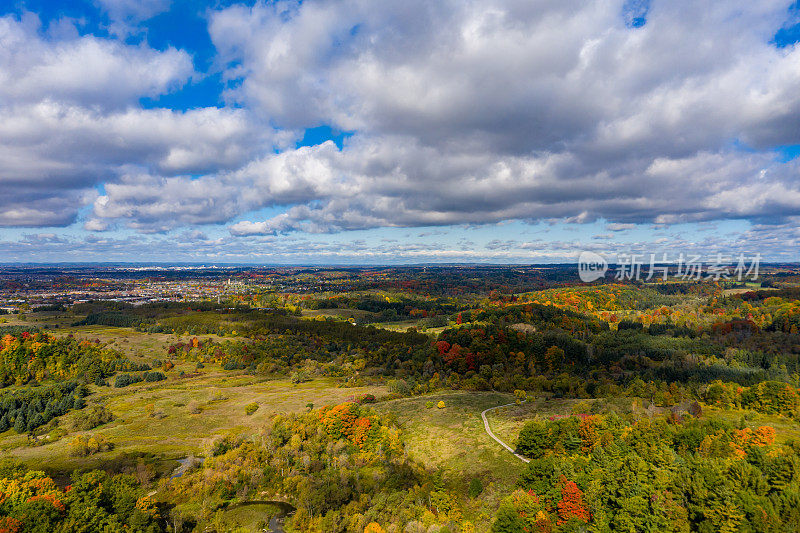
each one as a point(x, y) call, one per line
point(355, 132)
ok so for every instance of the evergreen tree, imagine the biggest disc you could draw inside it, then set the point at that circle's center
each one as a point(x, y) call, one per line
point(20, 424)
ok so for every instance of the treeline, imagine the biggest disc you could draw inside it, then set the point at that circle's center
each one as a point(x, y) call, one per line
point(147, 316)
point(543, 317)
point(35, 357)
point(279, 342)
point(282, 353)
point(123, 380)
point(770, 397)
point(334, 330)
point(17, 330)
point(392, 307)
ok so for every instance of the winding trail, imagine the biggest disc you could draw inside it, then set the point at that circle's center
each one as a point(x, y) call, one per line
point(491, 434)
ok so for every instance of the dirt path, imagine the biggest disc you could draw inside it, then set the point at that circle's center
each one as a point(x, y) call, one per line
point(491, 434)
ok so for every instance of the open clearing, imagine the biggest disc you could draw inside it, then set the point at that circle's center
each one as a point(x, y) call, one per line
point(181, 416)
point(136, 345)
point(453, 437)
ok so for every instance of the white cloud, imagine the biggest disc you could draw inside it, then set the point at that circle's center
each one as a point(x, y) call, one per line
point(71, 121)
point(136, 10)
point(619, 227)
point(482, 111)
point(463, 112)
point(60, 152)
point(83, 70)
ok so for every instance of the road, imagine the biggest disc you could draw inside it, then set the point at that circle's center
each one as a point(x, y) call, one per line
point(491, 434)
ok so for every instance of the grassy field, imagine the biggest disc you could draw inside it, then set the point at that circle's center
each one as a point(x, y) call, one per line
point(250, 518)
point(42, 319)
point(180, 416)
point(137, 346)
point(453, 437)
point(506, 422)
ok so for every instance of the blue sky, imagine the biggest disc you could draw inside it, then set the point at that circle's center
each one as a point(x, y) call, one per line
point(356, 131)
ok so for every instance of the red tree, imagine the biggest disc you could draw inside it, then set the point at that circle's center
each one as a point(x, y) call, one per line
point(571, 503)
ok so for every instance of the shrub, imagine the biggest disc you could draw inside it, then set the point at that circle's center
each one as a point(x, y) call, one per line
point(250, 408)
point(223, 445)
point(84, 445)
point(123, 380)
point(400, 386)
point(435, 321)
point(429, 405)
point(475, 488)
point(20, 424)
point(440, 405)
point(534, 439)
point(520, 396)
point(580, 407)
point(91, 418)
point(366, 398)
point(300, 376)
point(154, 376)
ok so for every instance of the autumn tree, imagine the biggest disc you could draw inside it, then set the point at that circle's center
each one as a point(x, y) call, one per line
point(571, 504)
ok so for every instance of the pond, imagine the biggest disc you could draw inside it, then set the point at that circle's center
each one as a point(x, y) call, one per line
point(251, 514)
point(185, 464)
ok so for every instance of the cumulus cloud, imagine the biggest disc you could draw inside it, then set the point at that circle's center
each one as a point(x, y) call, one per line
point(383, 183)
point(473, 112)
point(518, 76)
point(53, 154)
point(71, 122)
point(461, 113)
point(620, 227)
point(85, 70)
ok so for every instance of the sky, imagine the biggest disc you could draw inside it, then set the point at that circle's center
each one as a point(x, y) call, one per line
point(384, 132)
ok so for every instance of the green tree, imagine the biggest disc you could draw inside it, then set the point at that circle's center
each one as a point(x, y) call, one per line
point(508, 521)
point(475, 487)
point(534, 439)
